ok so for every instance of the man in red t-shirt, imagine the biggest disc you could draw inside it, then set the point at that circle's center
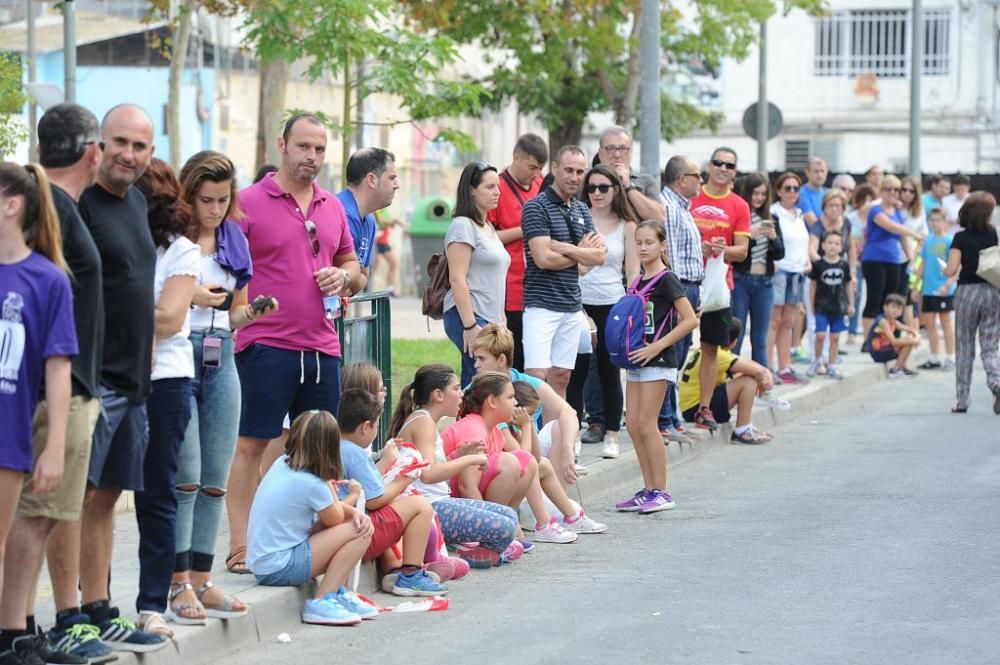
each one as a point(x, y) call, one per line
point(519, 182)
point(724, 221)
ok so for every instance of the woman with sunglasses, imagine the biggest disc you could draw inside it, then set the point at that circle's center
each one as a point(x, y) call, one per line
point(601, 287)
point(789, 278)
point(883, 253)
point(753, 291)
point(912, 206)
point(477, 263)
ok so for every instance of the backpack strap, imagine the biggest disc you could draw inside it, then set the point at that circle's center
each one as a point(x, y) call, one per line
point(649, 287)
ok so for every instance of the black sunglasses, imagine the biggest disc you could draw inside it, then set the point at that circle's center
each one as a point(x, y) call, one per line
point(908, 190)
point(721, 164)
point(484, 166)
point(790, 188)
point(603, 189)
point(313, 237)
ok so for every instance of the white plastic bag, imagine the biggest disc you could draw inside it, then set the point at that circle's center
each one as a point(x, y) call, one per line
point(989, 265)
point(714, 290)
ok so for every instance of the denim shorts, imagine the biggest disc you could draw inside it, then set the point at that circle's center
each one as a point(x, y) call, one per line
point(834, 324)
point(788, 287)
point(297, 571)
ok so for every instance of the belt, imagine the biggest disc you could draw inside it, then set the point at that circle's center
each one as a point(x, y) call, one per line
point(689, 282)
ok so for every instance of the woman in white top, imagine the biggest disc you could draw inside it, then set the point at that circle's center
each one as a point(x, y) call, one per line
point(219, 307)
point(434, 394)
point(477, 263)
point(601, 287)
point(789, 275)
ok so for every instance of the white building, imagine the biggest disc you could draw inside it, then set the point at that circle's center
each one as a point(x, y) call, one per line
point(842, 83)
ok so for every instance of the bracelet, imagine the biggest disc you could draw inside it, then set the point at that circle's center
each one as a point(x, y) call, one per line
point(474, 324)
point(247, 311)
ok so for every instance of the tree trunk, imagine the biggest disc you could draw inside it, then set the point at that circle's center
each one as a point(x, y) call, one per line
point(270, 107)
point(178, 58)
point(568, 132)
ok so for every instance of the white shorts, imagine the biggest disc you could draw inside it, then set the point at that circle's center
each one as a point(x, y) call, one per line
point(551, 339)
point(545, 437)
point(647, 374)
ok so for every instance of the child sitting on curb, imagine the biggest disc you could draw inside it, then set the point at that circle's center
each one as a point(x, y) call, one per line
point(890, 340)
point(737, 382)
point(393, 516)
point(287, 546)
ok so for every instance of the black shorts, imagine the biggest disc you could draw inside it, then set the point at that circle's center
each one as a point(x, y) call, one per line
point(931, 304)
point(715, 327)
point(383, 247)
point(719, 406)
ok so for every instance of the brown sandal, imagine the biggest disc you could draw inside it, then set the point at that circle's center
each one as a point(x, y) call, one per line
point(229, 607)
point(236, 562)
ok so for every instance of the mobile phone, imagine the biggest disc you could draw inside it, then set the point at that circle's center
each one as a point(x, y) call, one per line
point(227, 303)
point(768, 223)
point(211, 351)
point(261, 303)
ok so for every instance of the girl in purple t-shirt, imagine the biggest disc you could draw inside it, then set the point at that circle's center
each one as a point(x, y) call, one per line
point(37, 334)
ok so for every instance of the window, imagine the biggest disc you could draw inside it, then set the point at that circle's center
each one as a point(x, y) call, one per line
point(851, 43)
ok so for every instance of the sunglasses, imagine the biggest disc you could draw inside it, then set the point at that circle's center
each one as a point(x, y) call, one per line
point(908, 190)
point(484, 166)
point(790, 188)
point(692, 175)
point(603, 189)
point(313, 237)
point(721, 164)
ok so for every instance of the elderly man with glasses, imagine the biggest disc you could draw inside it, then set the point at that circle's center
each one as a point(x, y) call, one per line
point(642, 190)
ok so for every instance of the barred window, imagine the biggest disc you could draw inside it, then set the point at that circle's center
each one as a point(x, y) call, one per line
point(851, 43)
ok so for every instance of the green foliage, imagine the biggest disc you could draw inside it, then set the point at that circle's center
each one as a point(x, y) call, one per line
point(12, 100)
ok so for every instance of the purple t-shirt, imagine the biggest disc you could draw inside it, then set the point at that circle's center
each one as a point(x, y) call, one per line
point(36, 323)
point(284, 263)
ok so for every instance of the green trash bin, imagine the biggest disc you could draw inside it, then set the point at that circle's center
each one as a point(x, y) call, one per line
point(429, 223)
point(367, 337)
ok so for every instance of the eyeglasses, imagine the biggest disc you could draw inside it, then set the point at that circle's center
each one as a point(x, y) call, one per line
point(790, 188)
point(603, 189)
point(908, 190)
point(313, 237)
point(721, 164)
point(691, 175)
point(616, 148)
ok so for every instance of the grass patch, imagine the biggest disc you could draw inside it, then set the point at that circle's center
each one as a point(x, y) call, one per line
point(408, 355)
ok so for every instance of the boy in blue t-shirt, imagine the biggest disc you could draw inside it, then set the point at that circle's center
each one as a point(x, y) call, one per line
point(938, 292)
point(393, 516)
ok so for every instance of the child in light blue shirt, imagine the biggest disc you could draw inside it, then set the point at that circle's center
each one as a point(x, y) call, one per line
point(938, 292)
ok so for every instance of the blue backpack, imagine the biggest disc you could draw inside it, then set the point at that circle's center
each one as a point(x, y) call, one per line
point(625, 330)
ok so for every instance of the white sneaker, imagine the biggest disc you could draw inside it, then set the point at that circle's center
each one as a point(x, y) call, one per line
point(553, 532)
point(610, 449)
point(770, 400)
point(577, 446)
point(581, 470)
point(583, 524)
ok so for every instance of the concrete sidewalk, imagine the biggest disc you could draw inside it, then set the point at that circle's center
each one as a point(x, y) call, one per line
point(277, 610)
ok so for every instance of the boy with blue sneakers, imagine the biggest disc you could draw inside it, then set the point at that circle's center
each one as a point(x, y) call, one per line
point(394, 516)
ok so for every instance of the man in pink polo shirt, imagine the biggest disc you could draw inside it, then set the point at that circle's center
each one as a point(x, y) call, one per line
point(288, 362)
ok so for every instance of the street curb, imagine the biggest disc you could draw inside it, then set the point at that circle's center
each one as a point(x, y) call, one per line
point(276, 610)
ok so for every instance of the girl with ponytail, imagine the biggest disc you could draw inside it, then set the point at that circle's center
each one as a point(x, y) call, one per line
point(37, 334)
point(434, 394)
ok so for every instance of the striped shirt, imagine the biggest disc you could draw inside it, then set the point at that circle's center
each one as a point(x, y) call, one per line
point(547, 215)
point(683, 238)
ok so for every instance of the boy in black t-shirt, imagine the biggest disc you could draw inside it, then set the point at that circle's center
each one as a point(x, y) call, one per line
point(890, 340)
point(832, 294)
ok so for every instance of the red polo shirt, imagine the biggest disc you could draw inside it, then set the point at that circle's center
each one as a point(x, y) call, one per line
point(508, 216)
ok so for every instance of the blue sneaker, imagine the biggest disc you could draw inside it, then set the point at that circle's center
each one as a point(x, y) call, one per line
point(122, 635)
point(78, 637)
point(353, 603)
point(326, 611)
point(418, 584)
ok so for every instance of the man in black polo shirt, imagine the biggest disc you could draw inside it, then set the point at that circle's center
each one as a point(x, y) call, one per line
point(560, 237)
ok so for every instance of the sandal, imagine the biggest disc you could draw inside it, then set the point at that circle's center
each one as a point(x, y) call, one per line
point(229, 607)
point(153, 622)
point(176, 610)
point(236, 562)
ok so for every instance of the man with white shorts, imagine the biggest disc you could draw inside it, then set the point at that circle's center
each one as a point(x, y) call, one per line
point(560, 238)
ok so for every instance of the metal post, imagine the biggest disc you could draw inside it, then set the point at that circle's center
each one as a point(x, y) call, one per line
point(32, 72)
point(762, 119)
point(916, 73)
point(649, 110)
point(69, 49)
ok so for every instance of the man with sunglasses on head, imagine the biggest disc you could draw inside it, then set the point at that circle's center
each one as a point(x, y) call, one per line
point(642, 190)
point(372, 182)
point(724, 221)
point(303, 257)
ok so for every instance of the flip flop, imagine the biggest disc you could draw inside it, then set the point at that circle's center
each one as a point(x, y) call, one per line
point(236, 562)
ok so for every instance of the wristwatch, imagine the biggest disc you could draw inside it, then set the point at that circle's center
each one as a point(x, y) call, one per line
point(631, 188)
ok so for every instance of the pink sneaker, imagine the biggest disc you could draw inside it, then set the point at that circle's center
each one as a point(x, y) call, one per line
point(512, 553)
point(444, 568)
point(461, 567)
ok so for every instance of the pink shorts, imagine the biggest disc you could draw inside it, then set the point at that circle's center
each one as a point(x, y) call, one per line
point(524, 458)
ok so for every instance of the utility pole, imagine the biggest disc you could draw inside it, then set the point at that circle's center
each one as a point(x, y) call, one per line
point(32, 73)
point(916, 73)
point(762, 119)
point(649, 99)
point(69, 49)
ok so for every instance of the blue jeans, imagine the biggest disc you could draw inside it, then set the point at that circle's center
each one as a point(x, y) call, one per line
point(207, 451)
point(453, 329)
point(753, 295)
point(669, 414)
point(169, 409)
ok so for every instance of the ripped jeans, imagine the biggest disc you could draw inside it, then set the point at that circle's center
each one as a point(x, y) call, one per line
point(206, 454)
point(470, 520)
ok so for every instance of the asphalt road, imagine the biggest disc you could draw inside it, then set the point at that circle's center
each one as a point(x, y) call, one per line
point(865, 533)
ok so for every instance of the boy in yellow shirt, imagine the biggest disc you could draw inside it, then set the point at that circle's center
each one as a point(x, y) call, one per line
point(737, 382)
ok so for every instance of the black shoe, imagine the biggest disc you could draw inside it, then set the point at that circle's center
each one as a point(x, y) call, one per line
point(930, 364)
point(10, 658)
point(996, 402)
point(594, 434)
point(26, 648)
point(53, 656)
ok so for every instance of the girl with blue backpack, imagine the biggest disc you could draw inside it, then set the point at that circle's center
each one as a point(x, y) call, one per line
point(641, 332)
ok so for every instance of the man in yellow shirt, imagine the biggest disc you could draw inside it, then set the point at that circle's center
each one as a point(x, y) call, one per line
point(737, 382)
